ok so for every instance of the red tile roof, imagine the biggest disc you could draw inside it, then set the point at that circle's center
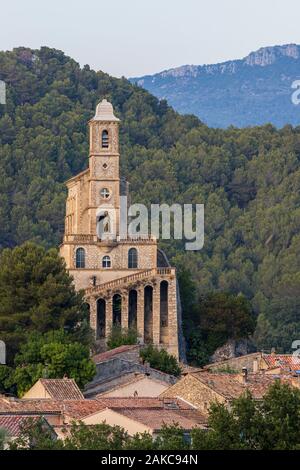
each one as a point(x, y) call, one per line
point(33, 406)
point(232, 386)
point(78, 409)
point(72, 408)
point(287, 362)
point(105, 356)
point(147, 403)
point(156, 418)
point(13, 423)
point(62, 389)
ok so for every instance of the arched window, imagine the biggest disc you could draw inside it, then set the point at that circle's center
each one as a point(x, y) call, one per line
point(106, 263)
point(80, 258)
point(132, 258)
point(105, 140)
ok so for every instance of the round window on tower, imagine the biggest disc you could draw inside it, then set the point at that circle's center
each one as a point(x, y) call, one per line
point(105, 193)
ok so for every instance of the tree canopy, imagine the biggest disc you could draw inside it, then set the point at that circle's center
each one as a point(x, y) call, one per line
point(36, 294)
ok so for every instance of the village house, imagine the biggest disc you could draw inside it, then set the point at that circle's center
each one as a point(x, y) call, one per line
point(203, 388)
point(259, 362)
point(147, 414)
point(120, 372)
point(134, 414)
point(13, 424)
point(57, 389)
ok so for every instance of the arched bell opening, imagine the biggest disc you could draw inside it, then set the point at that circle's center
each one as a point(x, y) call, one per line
point(148, 314)
point(164, 312)
point(101, 318)
point(117, 310)
point(132, 309)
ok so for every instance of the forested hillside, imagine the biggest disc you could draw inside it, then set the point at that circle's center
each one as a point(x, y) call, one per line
point(249, 179)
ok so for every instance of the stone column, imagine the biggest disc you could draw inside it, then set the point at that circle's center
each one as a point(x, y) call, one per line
point(124, 313)
point(140, 313)
point(108, 316)
point(156, 314)
point(93, 314)
point(173, 320)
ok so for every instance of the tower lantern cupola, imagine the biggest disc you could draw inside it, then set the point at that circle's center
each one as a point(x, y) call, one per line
point(104, 130)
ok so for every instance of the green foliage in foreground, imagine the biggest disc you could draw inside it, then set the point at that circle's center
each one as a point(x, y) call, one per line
point(161, 360)
point(35, 436)
point(51, 355)
point(119, 336)
point(36, 294)
point(272, 424)
point(42, 320)
point(2, 438)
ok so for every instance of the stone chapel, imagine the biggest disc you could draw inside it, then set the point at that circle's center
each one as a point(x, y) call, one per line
point(127, 281)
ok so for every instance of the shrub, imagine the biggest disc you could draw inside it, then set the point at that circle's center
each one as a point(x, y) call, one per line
point(119, 336)
point(161, 360)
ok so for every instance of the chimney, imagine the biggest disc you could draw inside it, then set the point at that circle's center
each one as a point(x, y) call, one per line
point(255, 366)
point(245, 374)
point(273, 352)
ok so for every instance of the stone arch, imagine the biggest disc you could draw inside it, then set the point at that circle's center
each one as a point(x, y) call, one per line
point(132, 309)
point(117, 310)
point(148, 314)
point(101, 318)
point(106, 262)
point(105, 139)
point(106, 223)
point(164, 311)
point(132, 258)
point(80, 258)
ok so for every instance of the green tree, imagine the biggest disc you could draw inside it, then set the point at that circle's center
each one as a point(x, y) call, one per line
point(36, 294)
point(96, 437)
point(161, 360)
point(2, 438)
point(119, 336)
point(272, 424)
point(218, 317)
point(36, 436)
point(52, 355)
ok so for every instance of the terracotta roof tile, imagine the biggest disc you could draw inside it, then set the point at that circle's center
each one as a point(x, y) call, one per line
point(105, 356)
point(72, 408)
point(146, 402)
point(284, 361)
point(62, 389)
point(13, 423)
point(156, 418)
point(232, 386)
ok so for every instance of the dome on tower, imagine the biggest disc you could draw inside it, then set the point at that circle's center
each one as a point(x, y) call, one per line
point(105, 112)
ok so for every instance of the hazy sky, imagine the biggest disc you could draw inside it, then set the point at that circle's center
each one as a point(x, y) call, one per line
point(136, 37)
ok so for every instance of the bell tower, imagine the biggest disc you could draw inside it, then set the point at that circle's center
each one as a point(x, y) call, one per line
point(104, 197)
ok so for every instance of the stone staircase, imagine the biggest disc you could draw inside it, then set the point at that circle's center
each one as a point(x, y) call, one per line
point(132, 278)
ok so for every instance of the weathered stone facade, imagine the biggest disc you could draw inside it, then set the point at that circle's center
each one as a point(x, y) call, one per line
point(121, 277)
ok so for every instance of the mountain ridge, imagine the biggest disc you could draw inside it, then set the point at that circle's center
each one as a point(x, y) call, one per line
point(265, 75)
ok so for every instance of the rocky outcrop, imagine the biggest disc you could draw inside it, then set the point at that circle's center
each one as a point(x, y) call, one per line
point(232, 349)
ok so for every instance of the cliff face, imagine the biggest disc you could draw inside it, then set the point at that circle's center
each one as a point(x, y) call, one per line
point(268, 55)
point(250, 91)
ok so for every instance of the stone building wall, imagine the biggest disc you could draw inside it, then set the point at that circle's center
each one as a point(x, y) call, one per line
point(193, 391)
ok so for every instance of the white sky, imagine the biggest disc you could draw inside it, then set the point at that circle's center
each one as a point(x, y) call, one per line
point(136, 37)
